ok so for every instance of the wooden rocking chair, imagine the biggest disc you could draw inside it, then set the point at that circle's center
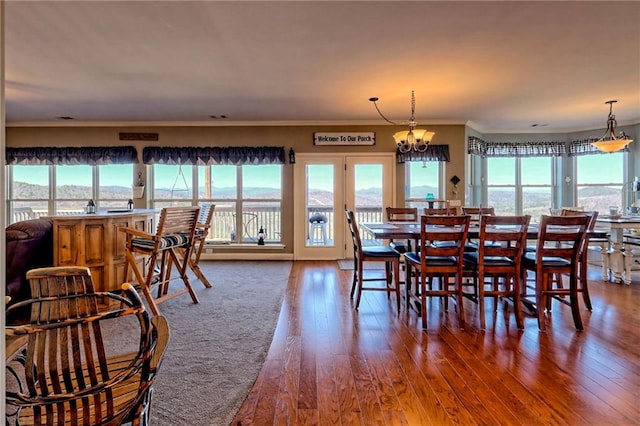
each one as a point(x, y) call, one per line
point(75, 372)
point(171, 244)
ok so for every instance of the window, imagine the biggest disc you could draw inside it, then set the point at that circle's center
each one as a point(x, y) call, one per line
point(247, 197)
point(422, 180)
point(520, 185)
point(599, 181)
point(37, 190)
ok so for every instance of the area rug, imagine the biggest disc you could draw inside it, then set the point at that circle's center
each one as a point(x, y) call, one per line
point(218, 346)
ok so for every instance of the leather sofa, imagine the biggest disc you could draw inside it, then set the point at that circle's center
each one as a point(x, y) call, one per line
point(29, 244)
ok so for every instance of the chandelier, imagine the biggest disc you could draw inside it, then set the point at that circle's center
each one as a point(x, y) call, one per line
point(409, 140)
point(609, 142)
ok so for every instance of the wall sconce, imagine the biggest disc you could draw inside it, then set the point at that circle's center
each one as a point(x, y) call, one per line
point(292, 156)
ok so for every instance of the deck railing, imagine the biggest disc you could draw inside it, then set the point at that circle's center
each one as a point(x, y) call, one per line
point(223, 224)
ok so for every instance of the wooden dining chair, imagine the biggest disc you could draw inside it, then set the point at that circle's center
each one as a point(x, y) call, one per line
point(401, 214)
point(170, 245)
point(499, 255)
point(583, 285)
point(442, 262)
point(437, 211)
point(383, 253)
point(557, 253)
point(73, 372)
point(477, 212)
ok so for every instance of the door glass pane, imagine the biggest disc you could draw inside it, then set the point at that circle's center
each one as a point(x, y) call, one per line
point(367, 204)
point(319, 204)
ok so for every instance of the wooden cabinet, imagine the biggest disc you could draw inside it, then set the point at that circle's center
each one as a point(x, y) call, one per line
point(93, 240)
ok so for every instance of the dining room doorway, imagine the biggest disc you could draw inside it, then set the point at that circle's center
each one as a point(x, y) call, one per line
point(323, 186)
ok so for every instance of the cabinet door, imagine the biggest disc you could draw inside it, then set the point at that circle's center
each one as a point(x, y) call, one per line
point(67, 238)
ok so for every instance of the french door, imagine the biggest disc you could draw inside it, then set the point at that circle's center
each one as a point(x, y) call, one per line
point(323, 186)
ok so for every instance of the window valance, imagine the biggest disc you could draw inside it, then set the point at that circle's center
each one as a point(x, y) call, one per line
point(92, 156)
point(584, 147)
point(516, 149)
point(433, 153)
point(213, 155)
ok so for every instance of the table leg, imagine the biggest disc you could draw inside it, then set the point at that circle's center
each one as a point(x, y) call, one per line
point(628, 260)
point(616, 258)
point(604, 251)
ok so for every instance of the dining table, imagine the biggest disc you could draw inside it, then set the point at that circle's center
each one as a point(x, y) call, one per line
point(624, 231)
point(411, 231)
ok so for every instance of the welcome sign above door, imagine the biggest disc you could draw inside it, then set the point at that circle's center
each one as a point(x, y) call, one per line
point(340, 138)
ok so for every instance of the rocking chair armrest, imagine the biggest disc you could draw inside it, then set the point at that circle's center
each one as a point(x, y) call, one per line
point(161, 327)
point(136, 232)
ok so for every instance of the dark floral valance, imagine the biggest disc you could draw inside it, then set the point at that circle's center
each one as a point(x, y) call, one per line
point(516, 149)
point(214, 155)
point(584, 147)
point(92, 156)
point(433, 153)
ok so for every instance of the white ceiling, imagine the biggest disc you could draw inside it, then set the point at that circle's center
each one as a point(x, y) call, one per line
point(498, 66)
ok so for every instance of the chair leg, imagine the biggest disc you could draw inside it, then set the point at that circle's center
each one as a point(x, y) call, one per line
point(541, 282)
point(584, 287)
point(407, 287)
point(481, 300)
point(396, 277)
point(460, 297)
point(423, 300)
point(360, 281)
point(194, 262)
point(182, 270)
point(575, 308)
point(355, 277)
point(517, 303)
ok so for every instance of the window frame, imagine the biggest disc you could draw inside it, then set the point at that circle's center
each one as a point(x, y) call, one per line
point(236, 238)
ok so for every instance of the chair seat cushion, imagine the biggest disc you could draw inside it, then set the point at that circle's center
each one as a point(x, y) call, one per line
point(380, 251)
point(398, 247)
point(529, 261)
point(175, 240)
point(472, 259)
point(432, 260)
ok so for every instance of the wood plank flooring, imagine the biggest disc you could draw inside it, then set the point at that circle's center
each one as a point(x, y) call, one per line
point(332, 365)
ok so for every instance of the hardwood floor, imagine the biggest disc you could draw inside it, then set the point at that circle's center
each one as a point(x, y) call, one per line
point(331, 365)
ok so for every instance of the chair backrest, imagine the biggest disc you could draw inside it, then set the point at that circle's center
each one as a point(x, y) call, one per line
point(402, 214)
point(69, 368)
point(439, 211)
point(478, 211)
point(561, 237)
point(503, 236)
point(443, 236)
point(204, 220)
point(591, 214)
point(177, 220)
point(355, 233)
